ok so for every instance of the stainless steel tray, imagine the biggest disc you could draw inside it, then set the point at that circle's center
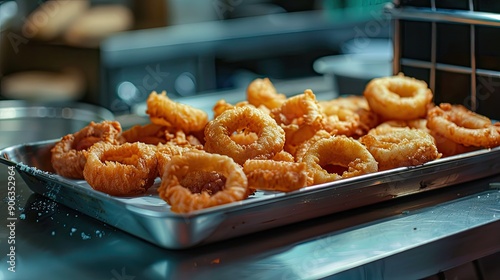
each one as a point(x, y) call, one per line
point(149, 217)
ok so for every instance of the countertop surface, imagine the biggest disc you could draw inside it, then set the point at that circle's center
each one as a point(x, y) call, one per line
point(408, 237)
point(415, 236)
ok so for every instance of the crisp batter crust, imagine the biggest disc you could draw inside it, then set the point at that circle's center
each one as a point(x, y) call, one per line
point(398, 97)
point(122, 170)
point(246, 119)
point(69, 154)
point(218, 168)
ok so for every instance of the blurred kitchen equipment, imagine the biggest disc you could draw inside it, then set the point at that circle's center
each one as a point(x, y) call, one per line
point(189, 59)
point(349, 73)
point(66, 85)
point(24, 122)
point(189, 11)
point(41, 39)
point(454, 46)
point(8, 11)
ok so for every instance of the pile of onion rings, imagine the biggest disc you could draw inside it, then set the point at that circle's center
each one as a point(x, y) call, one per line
point(269, 142)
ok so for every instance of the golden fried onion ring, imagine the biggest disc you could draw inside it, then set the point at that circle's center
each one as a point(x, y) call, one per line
point(68, 156)
point(122, 170)
point(301, 150)
point(340, 121)
point(273, 175)
point(463, 126)
point(164, 111)
point(222, 105)
point(300, 117)
point(449, 147)
point(246, 119)
point(261, 92)
point(348, 115)
point(340, 151)
point(183, 200)
point(398, 97)
point(394, 147)
point(165, 152)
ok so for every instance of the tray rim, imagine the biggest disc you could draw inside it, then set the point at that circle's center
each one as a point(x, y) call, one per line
point(52, 177)
point(308, 189)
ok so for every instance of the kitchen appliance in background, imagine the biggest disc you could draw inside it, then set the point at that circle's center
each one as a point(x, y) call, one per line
point(350, 71)
point(454, 47)
point(54, 45)
point(225, 46)
point(27, 121)
point(193, 58)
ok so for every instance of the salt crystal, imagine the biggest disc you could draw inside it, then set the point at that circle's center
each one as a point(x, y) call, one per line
point(84, 236)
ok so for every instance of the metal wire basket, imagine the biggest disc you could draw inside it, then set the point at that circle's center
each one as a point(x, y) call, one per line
point(452, 45)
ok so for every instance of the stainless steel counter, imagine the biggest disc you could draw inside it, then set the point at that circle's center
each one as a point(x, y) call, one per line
point(411, 237)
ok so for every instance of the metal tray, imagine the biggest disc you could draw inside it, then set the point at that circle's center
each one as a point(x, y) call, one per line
point(150, 218)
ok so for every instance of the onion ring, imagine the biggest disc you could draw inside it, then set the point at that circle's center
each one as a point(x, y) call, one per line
point(157, 134)
point(165, 152)
point(398, 97)
point(270, 140)
point(222, 106)
point(121, 170)
point(300, 117)
point(348, 115)
point(261, 92)
point(273, 175)
point(284, 156)
point(340, 121)
point(183, 200)
point(301, 150)
point(164, 111)
point(394, 147)
point(448, 147)
point(340, 151)
point(68, 156)
point(149, 134)
point(353, 102)
point(463, 126)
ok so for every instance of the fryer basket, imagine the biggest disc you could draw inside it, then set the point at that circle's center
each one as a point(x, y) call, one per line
point(452, 45)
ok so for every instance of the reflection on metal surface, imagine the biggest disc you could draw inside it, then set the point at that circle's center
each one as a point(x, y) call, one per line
point(446, 15)
point(154, 222)
point(52, 237)
point(24, 121)
point(341, 251)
